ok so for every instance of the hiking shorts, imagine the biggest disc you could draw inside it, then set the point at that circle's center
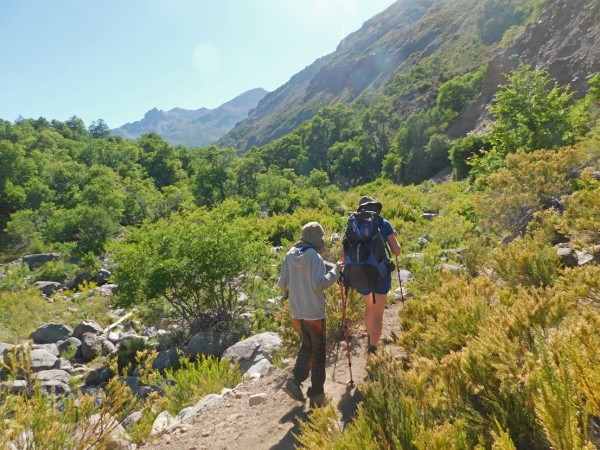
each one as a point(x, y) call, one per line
point(383, 288)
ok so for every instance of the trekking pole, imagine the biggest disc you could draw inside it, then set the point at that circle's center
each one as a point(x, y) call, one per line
point(345, 325)
point(337, 335)
point(399, 278)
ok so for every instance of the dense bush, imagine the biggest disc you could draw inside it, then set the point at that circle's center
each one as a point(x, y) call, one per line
point(195, 261)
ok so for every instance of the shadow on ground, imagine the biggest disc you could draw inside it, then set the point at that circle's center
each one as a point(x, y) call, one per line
point(289, 441)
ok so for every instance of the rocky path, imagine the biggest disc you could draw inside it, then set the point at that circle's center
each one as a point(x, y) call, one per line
point(232, 423)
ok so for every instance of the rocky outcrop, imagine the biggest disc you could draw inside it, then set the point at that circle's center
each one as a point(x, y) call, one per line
point(565, 39)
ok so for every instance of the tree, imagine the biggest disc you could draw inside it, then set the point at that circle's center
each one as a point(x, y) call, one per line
point(195, 261)
point(99, 129)
point(530, 115)
point(213, 174)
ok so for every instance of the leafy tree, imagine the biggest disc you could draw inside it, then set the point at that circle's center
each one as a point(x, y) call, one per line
point(455, 94)
point(529, 114)
point(213, 175)
point(99, 129)
point(161, 160)
point(195, 261)
point(464, 148)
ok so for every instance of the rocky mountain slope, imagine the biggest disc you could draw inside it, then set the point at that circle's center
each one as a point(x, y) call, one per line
point(193, 128)
point(565, 39)
point(455, 35)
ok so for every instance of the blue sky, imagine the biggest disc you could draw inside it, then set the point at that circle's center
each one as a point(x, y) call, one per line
point(116, 59)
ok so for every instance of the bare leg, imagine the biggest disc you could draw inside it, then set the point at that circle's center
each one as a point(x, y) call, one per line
point(374, 316)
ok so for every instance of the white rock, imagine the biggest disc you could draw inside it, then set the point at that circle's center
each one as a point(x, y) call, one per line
point(162, 422)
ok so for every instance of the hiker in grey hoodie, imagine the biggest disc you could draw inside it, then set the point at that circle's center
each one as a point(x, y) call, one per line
point(305, 276)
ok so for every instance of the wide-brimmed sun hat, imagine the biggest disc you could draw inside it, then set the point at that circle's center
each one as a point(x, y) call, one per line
point(368, 203)
point(313, 235)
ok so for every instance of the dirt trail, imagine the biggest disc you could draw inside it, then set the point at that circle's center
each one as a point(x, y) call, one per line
point(234, 424)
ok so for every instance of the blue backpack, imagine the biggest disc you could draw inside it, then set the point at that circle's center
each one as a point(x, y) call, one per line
point(365, 259)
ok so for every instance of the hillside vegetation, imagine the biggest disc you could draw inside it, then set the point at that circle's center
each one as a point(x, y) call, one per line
point(501, 329)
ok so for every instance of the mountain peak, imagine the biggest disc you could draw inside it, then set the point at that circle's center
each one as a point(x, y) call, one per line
point(193, 127)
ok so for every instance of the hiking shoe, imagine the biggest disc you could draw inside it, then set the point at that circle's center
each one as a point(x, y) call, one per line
point(292, 388)
point(318, 401)
point(372, 349)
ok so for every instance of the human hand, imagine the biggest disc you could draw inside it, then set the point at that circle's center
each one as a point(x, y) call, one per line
point(339, 266)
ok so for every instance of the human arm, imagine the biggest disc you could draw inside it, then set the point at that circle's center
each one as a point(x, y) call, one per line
point(393, 243)
point(320, 276)
point(283, 277)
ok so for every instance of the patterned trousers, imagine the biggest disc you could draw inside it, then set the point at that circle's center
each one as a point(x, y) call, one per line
point(311, 356)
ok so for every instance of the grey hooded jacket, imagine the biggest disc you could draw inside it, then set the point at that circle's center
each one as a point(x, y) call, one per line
point(305, 277)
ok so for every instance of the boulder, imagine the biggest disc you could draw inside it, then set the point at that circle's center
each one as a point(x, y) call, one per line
point(13, 386)
point(87, 326)
point(257, 399)
point(39, 259)
point(63, 364)
point(584, 257)
point(451, 268)
point(4, 349)
point(50, 333)
point(191, 411)
point(42, 360)
point(98, 376)
point(254, 349)
point(47, 287)
point(168, 359)
point(207, 343)
point(567, 256)
point(405, 275)
point(91, 346)
point(53, 380)
point(102, 277)
point(131, 419)
point(50, 348)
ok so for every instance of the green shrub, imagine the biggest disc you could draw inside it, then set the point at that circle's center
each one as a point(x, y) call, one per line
point(194, 380)
point(528, 261)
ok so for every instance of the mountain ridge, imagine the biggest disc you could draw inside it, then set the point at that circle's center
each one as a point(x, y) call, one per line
point(193, 128)
point(459, 35)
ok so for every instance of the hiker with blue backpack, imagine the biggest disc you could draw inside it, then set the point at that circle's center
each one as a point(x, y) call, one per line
point(367, 244)
point(305, 276)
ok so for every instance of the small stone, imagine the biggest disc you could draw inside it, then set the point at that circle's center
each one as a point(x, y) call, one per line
point(257, 399)
point(206, 433)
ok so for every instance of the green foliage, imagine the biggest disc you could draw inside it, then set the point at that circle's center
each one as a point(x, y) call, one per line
point(24, 310)
point(455, 94)
point(464, 149)
point(496, 17)
point(528, 261)
point(194, 380)
point(195, 261)
point(530, 116)
point(44, 421)
point(528, 183)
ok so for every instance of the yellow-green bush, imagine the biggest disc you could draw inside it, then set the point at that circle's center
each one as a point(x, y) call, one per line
point(528, 261)
point(529, 182)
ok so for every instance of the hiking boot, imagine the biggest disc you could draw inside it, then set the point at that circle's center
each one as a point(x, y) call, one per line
point(292, 388)
point(318, 401)
point(372, 349)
